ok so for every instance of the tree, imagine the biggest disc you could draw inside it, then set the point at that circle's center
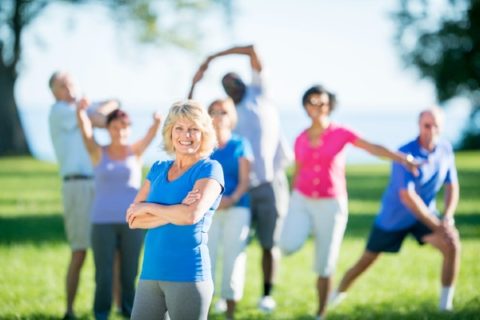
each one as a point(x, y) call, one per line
point(145, 18)
point(442, 41)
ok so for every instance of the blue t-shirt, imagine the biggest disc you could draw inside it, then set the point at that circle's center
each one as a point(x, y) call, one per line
point(437, 169)
point(175, 252)
point(228, 156)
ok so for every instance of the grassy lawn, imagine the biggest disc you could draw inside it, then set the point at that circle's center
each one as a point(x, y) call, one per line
point(33, 255)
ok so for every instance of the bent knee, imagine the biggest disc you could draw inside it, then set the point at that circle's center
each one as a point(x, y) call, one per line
point(451, 248)
point(454, 247)
point(289, 247)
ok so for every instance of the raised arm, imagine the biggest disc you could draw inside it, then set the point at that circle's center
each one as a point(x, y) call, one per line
point(197, 77)
point(139, 147)
point(85, 125)
point(381, 151)
point(244, 50)
point(182, 214)
point(98, 113)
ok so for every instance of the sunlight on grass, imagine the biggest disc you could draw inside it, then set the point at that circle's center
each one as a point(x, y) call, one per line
point(34, 254)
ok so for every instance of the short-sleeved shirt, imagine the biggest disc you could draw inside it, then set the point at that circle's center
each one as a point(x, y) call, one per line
point(228, 156)
point(179, 252)
point(70, 151)
point(321, 171)
point(438, 168)
point(259, 123)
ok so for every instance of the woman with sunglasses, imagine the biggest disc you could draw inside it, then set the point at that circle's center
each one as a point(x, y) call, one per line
point(319, 197)
point(231, 223)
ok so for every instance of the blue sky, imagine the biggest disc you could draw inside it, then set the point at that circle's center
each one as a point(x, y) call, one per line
point(346, 45)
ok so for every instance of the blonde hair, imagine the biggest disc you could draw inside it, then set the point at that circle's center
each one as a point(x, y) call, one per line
point(192, 111)
point(229, 107)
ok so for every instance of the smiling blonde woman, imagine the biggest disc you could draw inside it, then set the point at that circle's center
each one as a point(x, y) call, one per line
point(176, 204)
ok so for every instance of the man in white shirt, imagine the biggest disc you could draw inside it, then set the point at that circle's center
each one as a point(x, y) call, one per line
point(76, 172)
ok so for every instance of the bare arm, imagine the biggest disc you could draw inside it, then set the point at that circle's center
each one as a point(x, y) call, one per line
point(381, 151)
point(196, 78)
point(144, 220)
point(142, 194)
point(182, 214)
point(85, 125)
point(100, 113)
point(284, 155)
point(413, 202)
point(245, 50)
point(139, 147)
point(452, 193)
point(242, 187)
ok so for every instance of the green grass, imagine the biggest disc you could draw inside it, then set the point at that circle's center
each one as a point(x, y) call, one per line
point(34, 254)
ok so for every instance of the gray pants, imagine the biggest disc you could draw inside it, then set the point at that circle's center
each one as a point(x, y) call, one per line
point(106, 239)
point(183, 300)
point(269, 205)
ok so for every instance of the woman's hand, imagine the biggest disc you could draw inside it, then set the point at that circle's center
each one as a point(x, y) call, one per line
point(136, 209)
point(157, 118)
point(83, 103)
point(192, 197)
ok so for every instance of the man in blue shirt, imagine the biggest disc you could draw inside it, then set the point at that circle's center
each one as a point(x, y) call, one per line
point(408, 207)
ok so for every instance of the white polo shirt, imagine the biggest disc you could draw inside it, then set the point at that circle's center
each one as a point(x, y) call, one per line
point(71, 153)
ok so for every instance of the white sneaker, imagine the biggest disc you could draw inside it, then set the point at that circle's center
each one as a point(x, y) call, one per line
point(336, 298)
point(267, 304)
point(221, 306)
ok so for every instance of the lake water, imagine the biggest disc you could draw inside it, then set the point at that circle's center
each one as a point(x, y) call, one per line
point(388, 128)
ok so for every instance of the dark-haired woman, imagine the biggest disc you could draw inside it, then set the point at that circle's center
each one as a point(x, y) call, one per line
point(319, 197)
point(117, 170)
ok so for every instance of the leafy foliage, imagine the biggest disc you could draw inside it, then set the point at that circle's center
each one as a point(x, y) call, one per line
point(173, 22)
point(441, 39)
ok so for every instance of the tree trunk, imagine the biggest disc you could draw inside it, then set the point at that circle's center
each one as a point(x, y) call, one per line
point(12, 136)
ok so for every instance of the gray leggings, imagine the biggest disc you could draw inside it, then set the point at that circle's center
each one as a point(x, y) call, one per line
point(183, 300)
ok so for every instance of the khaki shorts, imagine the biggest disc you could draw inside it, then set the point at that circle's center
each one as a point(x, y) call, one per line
point(77, 203)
